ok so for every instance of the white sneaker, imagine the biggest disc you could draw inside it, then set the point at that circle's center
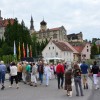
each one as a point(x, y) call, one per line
point(10, 86)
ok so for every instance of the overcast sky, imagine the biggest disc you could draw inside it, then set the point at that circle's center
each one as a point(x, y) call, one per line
point(75, 15)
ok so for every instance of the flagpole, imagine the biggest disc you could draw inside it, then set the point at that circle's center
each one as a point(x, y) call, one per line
point(27, 51)
point(19, 51)
point(30, 51)
point(14, 51)
point(23, 51)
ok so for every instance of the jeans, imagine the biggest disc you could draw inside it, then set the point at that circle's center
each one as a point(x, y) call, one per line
point(41, 77)
point(77, 81)
point(2, 77)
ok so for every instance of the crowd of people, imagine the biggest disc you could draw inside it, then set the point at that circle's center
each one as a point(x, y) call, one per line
point(31, 73)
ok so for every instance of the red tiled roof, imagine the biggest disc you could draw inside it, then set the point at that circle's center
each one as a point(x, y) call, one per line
point(62, 46)
point(55, 29)
point(4, 23)
point(79, 48)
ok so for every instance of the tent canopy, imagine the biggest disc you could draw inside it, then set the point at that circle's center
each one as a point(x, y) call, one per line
point(54, 58)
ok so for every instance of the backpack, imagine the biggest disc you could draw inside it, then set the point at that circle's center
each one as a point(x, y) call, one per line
point(34, 70)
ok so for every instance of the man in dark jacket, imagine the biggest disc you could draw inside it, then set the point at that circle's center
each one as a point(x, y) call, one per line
point(41, 71)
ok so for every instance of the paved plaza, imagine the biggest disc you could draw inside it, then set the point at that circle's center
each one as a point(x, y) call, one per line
point(26, 92)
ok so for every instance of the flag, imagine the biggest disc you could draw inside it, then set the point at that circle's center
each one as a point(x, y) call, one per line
point(14, 50)
point(30, 51)
point(24, 54)
point(27, 51)
point(19, 56)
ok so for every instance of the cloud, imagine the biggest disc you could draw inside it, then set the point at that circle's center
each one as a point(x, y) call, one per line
point(74, 15)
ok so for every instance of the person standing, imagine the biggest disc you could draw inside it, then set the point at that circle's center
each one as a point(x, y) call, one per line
point(95, 71)
point(77, 79)
point(28, 74)
point(47, 71)
point(2, 74)
point(19, 71)
point(34, 74)
point(60, 74)
point(84, 70)
point(13, 73)
point(41, 71)
point(24, 72)
point(68, 82)
point(52, 71)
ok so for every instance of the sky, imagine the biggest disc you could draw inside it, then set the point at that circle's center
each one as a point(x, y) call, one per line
point(75, 15)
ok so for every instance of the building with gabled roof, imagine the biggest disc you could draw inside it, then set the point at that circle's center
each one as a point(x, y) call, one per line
point(58, 49)
point(84, 50)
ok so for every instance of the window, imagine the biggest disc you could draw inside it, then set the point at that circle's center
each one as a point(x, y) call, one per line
point(43, 34)
point(55, 36)
point(87, 50)
point(87, 46)
point(53, 47)
point(49, 48)
point(56, 53)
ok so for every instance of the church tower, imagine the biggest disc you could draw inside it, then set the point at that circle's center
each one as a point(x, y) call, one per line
point(31, 25)
point(43, 26)
point(0, 15)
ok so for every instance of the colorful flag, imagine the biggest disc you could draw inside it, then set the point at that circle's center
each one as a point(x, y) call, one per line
point(24, 53)
point(27, 51)
point(30, 51)
point(14, 50)
point(19, 56)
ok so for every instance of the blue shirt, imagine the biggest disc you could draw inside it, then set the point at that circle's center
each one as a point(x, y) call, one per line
point(84, 68)
point(2, 68)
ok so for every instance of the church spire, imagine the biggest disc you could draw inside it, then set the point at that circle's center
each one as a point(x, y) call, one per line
point(0, 15)
point(31, 24)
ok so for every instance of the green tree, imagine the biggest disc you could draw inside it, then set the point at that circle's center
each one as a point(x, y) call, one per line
point(17, 32)
point(94, 50)
point(34, 44)
point(99, 49)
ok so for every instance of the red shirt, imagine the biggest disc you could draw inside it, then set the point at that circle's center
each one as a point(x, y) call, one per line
point(60, 68)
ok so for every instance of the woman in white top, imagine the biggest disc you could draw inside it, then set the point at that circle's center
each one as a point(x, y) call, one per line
point(13, 73)
point(47, 72)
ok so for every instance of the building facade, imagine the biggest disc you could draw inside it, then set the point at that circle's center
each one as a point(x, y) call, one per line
point(58, 49)
point(3, 24)
point(75, 37)
point(58, 33)
point(84, 51)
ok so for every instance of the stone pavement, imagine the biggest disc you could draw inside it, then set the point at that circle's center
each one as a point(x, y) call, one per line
point(95, 93)
point(26, 92)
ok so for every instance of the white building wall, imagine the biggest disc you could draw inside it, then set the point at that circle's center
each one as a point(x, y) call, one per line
point(67, 56)
point(52, 50)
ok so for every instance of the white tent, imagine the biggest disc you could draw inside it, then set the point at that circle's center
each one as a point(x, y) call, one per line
point(53, 58)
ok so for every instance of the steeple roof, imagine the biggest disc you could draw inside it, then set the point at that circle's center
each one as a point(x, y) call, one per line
point(43, 22)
